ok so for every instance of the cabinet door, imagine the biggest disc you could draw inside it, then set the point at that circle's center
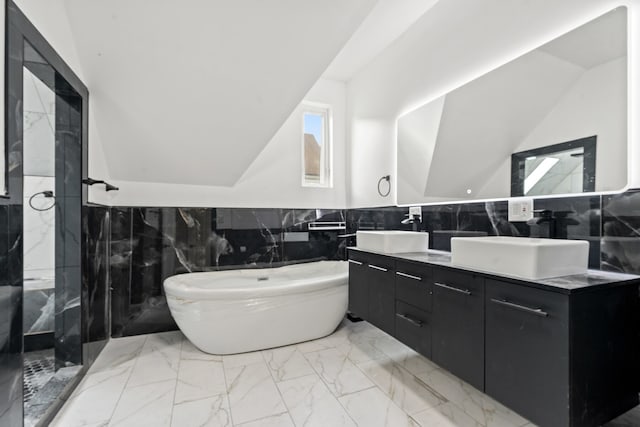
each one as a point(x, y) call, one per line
point(381, 286)
point(527, 351)
point(458, 324)
point(358, 290)
point(413, 284)
point(413, 328)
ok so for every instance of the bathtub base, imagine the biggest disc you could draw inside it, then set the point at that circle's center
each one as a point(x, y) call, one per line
point(244, 326)
point(259, 318)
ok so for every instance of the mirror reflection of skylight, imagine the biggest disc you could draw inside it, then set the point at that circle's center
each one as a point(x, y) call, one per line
point(539, 172)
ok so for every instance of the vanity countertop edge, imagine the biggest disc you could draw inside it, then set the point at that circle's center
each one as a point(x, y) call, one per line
point(591, 281)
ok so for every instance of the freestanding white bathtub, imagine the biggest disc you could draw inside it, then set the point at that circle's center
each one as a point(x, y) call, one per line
point(236, 311)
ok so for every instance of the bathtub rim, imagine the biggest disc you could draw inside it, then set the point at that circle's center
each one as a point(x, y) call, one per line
point(176, 286)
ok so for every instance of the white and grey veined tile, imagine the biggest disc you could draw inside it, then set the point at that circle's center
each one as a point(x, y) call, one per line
point(210, 412)
point(404, 355)
point(372, 408)
point(345, 335)
point(286, 363)
point(119, 352)
point(316, 345)
point(94, 400)
point(628, 419)
point(39, 229)
point(473, 402)
point(39, 144)
point(252, 393)
point(445, 415)
point(242, 359)
point(311, 403)
point(198, 379)
point(360, 351)
point(191, 352)
point(280, 420)
point(356, 341)
point(158, 360)
point(338, 372)
point(146, 405)
point(408, 392)
point(37, 95)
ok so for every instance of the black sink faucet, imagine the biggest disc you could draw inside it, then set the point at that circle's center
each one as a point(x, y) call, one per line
point(414, 220)
point(558, 222)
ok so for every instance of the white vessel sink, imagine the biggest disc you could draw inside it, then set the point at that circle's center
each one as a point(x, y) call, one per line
point(392, 241)
point(529, 258)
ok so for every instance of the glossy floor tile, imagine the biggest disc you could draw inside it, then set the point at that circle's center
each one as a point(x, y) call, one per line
point(358, 376)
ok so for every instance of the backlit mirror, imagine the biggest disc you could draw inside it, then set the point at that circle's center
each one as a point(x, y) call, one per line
point(574, 88)
point(3, 145)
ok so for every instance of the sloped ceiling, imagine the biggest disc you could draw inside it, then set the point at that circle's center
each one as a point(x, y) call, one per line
point(190, 92)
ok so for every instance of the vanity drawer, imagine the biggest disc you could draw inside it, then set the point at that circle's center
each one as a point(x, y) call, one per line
point(413, 328)
point(414, 284)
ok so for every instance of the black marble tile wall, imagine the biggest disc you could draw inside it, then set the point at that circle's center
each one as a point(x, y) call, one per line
point(10, 315)
point(563, 218)
point(571, 218)
point(147, 245)
point(11, 393)
point(621, 232)
point(96, 311)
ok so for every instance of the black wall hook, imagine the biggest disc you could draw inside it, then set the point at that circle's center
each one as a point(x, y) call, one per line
point(107, 186)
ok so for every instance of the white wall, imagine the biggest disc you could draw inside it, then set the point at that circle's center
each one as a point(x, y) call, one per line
point(453, 43)
point(272, 180)
point(50, 18)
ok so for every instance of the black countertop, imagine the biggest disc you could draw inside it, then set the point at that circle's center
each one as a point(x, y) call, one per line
point(591, 280)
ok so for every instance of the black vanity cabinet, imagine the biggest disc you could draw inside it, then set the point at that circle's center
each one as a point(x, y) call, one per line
point(527, 351)
point(562, 359)
point(371, 289)
point(381, 293)
point(458, 324)
point(358, 290)
point(560, 352)
point(414, 296)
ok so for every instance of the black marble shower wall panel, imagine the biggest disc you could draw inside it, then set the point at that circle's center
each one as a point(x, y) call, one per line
point(147, 245)
point(96, 313)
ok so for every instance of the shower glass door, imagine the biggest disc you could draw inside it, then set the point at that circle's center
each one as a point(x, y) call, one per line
point(52, 165)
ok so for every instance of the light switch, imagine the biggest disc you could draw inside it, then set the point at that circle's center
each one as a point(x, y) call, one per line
point(415, 210)
point(520, 209)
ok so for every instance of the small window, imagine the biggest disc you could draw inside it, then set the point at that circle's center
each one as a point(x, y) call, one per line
point(316, 146)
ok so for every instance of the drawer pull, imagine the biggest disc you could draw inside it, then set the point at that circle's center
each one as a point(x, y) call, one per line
point(451, 288)
point(410, 319)
point(375, 267)
point(353, 261)
point(536, 311)
point(408, 276)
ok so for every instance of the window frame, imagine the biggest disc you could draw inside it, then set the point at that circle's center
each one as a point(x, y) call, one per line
point(326, 147)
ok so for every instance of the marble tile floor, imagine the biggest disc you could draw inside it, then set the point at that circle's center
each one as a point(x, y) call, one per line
point(358, 376)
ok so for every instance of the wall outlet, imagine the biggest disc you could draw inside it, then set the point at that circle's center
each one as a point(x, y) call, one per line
point(415, 210)
point(520, 209)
